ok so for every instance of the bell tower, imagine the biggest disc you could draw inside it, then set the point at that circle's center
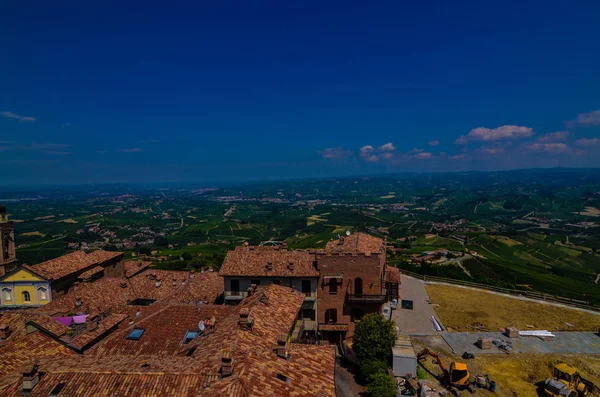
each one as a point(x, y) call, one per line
point(8, 257)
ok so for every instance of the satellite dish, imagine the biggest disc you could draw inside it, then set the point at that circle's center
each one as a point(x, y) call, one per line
point(347, 232)
point(201, 326)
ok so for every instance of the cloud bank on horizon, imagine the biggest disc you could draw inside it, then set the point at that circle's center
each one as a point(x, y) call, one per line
point(484, 143)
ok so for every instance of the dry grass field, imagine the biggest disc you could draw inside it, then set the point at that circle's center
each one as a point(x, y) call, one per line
point(459, 308)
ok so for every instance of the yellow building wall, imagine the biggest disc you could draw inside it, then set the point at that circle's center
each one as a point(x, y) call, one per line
point(22, 276)
point(19, 289)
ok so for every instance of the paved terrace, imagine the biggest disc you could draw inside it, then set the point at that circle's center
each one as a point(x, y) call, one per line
point(562, 343)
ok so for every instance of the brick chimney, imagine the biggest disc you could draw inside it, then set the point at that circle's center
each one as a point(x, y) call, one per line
point(282, 347)
point(245, 322)
point(226, 362)
point(91, 322)
point(31, 377)
point(4, 331)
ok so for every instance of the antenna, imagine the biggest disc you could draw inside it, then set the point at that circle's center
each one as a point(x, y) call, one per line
point(347, 232)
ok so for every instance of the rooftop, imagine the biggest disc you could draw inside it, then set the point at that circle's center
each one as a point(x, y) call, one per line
point(134, 267)
point(268, 262)
point(356, 243)
point(74, 262)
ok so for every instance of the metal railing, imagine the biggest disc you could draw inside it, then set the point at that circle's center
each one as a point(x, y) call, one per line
point(363, 298)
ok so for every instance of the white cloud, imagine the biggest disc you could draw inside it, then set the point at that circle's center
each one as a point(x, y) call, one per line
point(457, 156)
point(555, 136)
point(423, 155)
point(434, 142)
point(588, 142)
point(495, 134)
point(387, 155)
point(335, 153)
point(11, 115)
point(556, 147)
point(365, 150)
point(591, 118)
point(132, 150)
point(495, 150)
point(388, 147)
point(372, 158)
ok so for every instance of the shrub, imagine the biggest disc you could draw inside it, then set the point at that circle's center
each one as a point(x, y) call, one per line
point(382, 385)
point(374, 337)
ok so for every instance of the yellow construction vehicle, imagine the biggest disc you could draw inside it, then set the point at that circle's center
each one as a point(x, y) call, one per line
point(567, 383)
point(455, 378)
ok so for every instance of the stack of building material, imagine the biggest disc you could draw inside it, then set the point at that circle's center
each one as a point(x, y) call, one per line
point(484, 343)
point(512, 332)
point(539, 334)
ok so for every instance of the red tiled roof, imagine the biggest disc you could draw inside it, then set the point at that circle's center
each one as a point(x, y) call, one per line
point(253, 261)
point(356, 243)
point(134, 267)
point(392, 275)
point(105, 325)
point(74, 262)
point(89, 273)
point(111, 294)
point(164, 330)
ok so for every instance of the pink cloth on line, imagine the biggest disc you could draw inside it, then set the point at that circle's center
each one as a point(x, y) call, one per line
point(79, 319)
point(66, 321)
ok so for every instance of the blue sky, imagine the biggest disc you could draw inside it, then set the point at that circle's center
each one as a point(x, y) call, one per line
point(205, 91)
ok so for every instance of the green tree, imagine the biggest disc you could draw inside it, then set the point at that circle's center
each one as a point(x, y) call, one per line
point(374, 337)
point(161, 241)
point(382, 385)
point(370, 368)
point(187, 256)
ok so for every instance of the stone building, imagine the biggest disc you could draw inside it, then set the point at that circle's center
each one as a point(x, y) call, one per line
point(8, 256)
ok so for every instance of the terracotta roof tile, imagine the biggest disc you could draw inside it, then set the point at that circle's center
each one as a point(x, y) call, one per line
point(356, 243)
point(254, 261)
point(134, 267)
point(392, 275)
point(164, 330)
point(89, 273)
point(74, 262)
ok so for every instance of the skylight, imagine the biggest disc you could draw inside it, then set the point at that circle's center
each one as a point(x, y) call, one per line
point(136, 334)
point(57, 389)
point(189, 336)
point(283, 378)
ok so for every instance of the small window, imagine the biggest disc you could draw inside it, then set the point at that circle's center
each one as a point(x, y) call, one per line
point(43, 294)
point(57, 389)
point(136, 334)
point(26, 296)
point(283, 378)
point(6, 295)
point(189, 336)
point(255, 282)
point(306, 286)
point(332, 286)
point(277, 282)
point(331, 316)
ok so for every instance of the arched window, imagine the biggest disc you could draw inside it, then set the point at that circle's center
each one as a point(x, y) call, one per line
point(6, 295)
point(333, 286)
point(358, 287)
point(26, 296)
point(43, 293)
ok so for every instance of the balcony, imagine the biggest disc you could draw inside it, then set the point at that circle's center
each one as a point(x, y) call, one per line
point(235, 295)
point(310, 296)
point(362, 298)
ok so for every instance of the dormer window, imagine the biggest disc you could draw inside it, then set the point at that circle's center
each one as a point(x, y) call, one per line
point(190, 336)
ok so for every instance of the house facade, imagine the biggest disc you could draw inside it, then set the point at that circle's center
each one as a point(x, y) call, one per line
point(247, 267)
point(8, 256)
point(24, 288)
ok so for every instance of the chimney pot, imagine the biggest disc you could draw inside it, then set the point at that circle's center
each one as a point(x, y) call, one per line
point(92, 322)
point(226, 362)
point(282, 346)
point(78, 301)
point(4, 331)
point(269, 265)
point(291, 266)
point(31, 377)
